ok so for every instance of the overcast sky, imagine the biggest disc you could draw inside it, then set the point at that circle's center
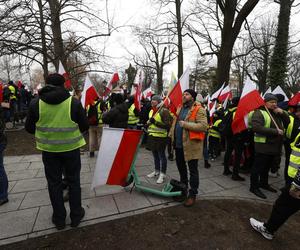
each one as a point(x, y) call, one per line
point(133, 12)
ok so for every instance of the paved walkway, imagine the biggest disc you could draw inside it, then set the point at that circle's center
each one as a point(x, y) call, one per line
point(28, 212)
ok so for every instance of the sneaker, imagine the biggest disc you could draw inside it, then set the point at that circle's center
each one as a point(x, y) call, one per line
point(259, 227)
point(153, 174)
point(161, 178)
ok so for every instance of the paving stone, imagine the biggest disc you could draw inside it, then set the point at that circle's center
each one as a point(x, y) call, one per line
point(99, 207)
point(12, 159)
point(86, 191)
point(108, 189)
point(29, 185)
point(11, 184)
point(86, 177)
point(16, 166)
point(208, 186)
point(36, 198)
point(17, 222)
point(41, 173)
point(85, 168)
point(31, 158)
point(13, 239)
point(21, 174)
point(36, 165)
point(143, 170)
point(13, 204)
point(157, 200)
point(226, 182)
point(130, 201)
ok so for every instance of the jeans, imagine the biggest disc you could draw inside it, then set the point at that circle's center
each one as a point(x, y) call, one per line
point(3, 176)
point(54, 164)
point(160, 161)
point(193, 168)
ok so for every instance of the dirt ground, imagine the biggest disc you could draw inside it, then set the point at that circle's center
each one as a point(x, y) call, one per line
point(214, 224)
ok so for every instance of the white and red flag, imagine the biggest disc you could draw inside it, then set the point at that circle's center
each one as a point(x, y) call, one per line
point(269, 90)
point(249, 101)
point(279, 90)
point(89, 93)
point(225, 93)
point(116, 154)
point(217, 93)
point(175, 96)
point(61, 70)
point(138, 83)
point(147, 93)
point(110, 85)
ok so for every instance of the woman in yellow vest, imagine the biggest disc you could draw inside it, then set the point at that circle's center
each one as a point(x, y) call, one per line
point(57, 120)
point(159, 123)
point(288, 203)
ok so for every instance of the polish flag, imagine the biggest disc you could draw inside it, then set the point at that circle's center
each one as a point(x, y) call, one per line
point(138, 81)
point(295, 99)
point(249, 101)
point(110, 85)
point(175, 95)
point(217, 93)
point(89, 93)
point(61, 70)
point(1, 92)
point(147, 93)
point(116, 155)
point(279, 90)
point(225, 93)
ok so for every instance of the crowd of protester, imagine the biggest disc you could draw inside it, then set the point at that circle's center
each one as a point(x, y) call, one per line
point(190, 134)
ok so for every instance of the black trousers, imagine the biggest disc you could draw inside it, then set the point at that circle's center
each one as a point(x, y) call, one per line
point(260, 170)
point(55, 164)
point(283, 208)
point(214, 146)
point(288, 151)
point(236, 144)
point(193, 169)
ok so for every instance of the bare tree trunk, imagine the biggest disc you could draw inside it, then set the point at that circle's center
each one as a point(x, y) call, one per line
point(179, 37)
point(43, 38)
point(55, 9)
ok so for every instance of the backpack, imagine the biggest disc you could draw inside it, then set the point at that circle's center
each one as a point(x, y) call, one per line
point(93, 115)
point(225, 125)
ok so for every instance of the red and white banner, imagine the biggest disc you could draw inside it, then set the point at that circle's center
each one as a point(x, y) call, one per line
point(249, 101)
point(113, 82)
point(115, 157)
point(89, 93)
point(61, 70)
point(137, 84)
point(217, 93)
point(175, 95)
point(147, 93)
point(225, 93)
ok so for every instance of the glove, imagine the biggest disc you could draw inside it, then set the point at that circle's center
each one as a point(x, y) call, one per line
point(294, 192)
point(152, 120)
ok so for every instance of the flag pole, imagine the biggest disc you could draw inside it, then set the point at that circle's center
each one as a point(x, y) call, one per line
point(277, 127)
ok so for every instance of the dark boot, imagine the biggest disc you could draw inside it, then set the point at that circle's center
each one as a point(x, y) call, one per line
point(206, 164)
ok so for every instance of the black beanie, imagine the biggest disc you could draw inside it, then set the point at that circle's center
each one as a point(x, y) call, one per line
point(192, 92)
point(55, 79)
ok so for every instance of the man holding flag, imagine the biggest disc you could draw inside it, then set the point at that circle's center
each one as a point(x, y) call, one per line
point(267, 124)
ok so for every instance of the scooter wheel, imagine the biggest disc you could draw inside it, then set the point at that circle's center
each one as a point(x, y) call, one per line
point(128, 181)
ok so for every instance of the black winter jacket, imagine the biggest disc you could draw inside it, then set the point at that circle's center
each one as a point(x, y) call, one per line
point(117, 117)
point(55, 95)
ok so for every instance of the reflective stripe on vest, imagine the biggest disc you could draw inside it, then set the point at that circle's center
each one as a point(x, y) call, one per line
point(262, 138)
point(289, 129)
point(153, 129)
point(214, 133)
point(100, 115)
point(12, 91)
point(194, 135)
point(55, 130)
point(132, 119)
point(294, 164)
